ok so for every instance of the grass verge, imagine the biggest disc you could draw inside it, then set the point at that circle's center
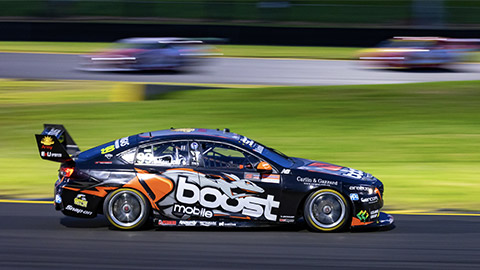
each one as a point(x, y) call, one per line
point(421, 140)
point(258, 51)
point(227, 50)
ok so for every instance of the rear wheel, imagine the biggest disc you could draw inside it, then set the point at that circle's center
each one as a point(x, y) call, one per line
point(126, 209)
point(326, 210)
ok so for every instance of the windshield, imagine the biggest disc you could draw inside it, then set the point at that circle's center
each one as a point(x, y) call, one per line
point(277, 156)
point(270, 153)
point(137, 45)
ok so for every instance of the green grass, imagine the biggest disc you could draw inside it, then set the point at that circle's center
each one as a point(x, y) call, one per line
point(421, 140)
point(302, 52)
point(52, 47)
point(227, 50)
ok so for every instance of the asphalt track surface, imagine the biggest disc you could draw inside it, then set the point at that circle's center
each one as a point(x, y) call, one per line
point(234, 71)
point(35, 236)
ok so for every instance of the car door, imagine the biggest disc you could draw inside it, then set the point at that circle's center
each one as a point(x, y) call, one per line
point(233, 187)
point(162, 168)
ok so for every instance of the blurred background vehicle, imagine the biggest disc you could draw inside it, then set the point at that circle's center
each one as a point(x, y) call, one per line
point(420, 52)
point(133, 54)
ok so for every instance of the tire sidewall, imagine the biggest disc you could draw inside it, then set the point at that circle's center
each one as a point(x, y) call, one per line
point(143, 201)
point(307, 212)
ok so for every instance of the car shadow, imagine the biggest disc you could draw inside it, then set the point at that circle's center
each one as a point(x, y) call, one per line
point(425, 70)
point(101, 222)
point(74, 222)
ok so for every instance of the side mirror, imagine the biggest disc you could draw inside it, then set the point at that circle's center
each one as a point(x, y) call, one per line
point(264, 167)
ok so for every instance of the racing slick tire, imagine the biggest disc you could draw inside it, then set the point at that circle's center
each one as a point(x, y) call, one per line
point(126, 209)
point(326, 210)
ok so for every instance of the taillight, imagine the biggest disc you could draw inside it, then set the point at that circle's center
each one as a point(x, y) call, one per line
point(66, 171)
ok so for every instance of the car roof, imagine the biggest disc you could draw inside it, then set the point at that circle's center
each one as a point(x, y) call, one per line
point(158, 40)
point(189, 133)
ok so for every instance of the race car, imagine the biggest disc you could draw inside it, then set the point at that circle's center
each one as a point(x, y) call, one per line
point(136, 54)
point(419, 52)
point(205, 177)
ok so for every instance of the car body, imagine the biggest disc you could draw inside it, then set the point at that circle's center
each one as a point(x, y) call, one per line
point(137, 54)
point(419, 52)
point(204, 177)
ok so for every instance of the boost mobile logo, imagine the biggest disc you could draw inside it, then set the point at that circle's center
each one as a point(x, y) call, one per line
point(212, 198)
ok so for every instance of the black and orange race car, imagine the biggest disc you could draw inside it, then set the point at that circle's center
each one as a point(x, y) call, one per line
point(204, 177)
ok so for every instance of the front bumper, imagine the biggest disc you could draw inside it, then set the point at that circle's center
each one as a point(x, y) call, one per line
point(383, 220)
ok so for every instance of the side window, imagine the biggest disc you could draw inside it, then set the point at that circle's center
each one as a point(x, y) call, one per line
point(164, 154)
point(128, 156)
point(215, 155)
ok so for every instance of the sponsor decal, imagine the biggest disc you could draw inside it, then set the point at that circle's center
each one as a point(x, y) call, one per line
point(47, 147)
point(285, 171)
point(78, 210)
point(124, 142)
point(116, 145)
point(192, 211)
point(58, 199)
point(373, 199)
point(287, 220)
point(250, 143)
point(227, 224)
point(362, 215)
point(246, 141)
point(107, 149)
point(183, 129)
point(47, 140)
point(258, 149)
point(189, 223)
point(217, 193)
point(354, 197)
point(103, 162)
point(271, 178)
point(167, 222)
point(54, 132)
point(108, 156)
point(349, 172)
point(194, 145)
point(50, 154)
point(361, 188)
point(207, 223)
point(316, 181)
point(373, 214)
point(252, 176)
point(81, 200)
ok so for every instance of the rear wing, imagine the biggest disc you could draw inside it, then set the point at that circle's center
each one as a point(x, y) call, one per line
point(55, 144)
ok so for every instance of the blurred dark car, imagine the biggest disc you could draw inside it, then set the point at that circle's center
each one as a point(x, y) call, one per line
point(419, 52)
point(134, 54)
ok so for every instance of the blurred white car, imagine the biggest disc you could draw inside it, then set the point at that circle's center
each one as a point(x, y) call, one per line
point(419, 52)
point(133, 54)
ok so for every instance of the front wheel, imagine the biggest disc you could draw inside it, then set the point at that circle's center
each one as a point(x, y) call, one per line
point(126, 209)
point(326, 210)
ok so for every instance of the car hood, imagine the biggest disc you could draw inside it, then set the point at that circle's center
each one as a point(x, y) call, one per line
point(328, 168)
